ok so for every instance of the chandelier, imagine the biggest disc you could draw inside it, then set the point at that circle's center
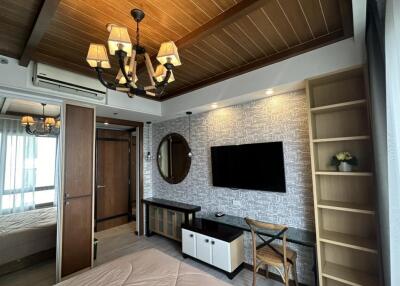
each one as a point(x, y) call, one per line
point(42, 126)
point(119, 45)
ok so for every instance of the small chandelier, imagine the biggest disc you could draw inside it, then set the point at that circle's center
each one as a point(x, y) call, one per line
point(119, 44)
point(44, 126)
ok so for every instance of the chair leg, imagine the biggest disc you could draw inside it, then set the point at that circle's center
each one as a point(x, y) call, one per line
point(254, 274)
point(286, 275)
point(294, 270)
point(266, 271)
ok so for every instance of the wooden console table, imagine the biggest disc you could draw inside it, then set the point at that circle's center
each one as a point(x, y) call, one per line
point(165, 217)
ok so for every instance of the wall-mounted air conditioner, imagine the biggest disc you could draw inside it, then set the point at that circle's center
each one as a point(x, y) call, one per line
point(80, 87)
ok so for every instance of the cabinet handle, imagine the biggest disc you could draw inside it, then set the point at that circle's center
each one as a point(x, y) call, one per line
point(212, 242)
point(191, 235)
point(207, 240)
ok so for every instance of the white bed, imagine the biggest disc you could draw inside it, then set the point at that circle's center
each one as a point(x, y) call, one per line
point(27, 233)
point(149, 267)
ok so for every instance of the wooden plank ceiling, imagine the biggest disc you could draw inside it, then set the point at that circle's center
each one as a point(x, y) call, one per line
point(217, 39)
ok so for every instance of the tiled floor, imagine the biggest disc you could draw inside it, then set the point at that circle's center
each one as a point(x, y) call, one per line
point(120, 241)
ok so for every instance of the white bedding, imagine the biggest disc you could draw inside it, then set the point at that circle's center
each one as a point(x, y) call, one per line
point(26, 233)
point(145, 268)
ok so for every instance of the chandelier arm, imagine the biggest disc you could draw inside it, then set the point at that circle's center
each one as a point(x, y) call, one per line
point(164, 82)
point(28, 130)
point(121, 62)
point(137, 91)
point(101, 79)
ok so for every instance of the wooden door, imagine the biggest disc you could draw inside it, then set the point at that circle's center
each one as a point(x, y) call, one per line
point(112, 179)
point(78, 189)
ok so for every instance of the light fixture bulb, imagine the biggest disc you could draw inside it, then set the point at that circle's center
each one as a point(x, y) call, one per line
point(269, 91)
point(214, 105)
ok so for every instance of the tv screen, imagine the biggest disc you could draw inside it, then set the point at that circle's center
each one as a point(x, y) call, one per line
point(251, 166)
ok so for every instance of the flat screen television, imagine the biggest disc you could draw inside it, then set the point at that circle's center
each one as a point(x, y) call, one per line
point(257, 166)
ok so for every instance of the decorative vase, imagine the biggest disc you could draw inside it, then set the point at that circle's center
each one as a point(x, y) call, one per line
point(345, 167)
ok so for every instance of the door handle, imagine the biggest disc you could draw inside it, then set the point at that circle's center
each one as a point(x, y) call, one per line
point(207, 240)
point(213, 242)
point(191, 235)
point(100, 186)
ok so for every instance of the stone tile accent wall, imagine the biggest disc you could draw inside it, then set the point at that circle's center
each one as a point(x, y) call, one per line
point(277, 118)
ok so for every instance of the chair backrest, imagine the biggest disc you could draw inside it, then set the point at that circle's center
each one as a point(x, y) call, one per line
point(280, 234)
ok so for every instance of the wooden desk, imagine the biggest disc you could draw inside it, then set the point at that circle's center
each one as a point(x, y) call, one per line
point(294, 235)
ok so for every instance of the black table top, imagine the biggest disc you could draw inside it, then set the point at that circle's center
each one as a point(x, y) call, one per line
point(186, 208)
point(294, 235)
point(213, 229)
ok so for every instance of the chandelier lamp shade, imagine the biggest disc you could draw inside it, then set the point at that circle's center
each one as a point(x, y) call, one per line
point(41, 127)
point(120, 45)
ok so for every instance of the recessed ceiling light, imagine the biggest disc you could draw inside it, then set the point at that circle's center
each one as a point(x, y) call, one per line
point(269, 91)
point(105, 123)
point(214, 105)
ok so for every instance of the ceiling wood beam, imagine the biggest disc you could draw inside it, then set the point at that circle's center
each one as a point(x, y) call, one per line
point(297, 50)
point(42, 22)
point(346, 12)
point(231, 15)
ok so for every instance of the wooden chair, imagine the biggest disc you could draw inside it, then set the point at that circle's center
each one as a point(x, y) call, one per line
point(278, 256)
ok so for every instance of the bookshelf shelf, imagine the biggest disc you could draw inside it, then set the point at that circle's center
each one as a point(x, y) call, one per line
point(348, 275)
point(339, 106)
point(345, 206)
point(339, 139)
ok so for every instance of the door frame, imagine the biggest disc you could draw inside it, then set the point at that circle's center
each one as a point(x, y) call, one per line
point(139, 166)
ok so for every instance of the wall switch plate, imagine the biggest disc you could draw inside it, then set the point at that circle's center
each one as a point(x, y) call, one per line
point(236, 203)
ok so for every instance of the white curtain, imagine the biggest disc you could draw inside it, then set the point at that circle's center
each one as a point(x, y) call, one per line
point(17, 167)
point(392, 54)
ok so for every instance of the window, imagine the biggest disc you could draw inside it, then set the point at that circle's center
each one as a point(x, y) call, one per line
point(29, 173)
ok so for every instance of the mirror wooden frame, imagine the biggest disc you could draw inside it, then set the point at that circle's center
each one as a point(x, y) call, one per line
point(173, 180)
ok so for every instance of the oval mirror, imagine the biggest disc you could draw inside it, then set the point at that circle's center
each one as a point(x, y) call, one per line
point(173, 158)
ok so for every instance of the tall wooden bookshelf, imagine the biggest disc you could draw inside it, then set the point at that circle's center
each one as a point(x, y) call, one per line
point(344, 202)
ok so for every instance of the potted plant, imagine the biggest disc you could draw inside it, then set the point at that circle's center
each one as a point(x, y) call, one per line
point(344, 161)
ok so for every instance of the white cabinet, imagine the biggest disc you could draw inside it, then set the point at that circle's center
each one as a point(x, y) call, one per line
point(225, 255)
point(203, 248)
point(188, 242)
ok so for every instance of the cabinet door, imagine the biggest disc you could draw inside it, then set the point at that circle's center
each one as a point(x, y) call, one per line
point(189, 242)
point(203, 248)
point(170, 225)
point(221, 256)
point(161, 220)
point(179, 218)
point(152, 218)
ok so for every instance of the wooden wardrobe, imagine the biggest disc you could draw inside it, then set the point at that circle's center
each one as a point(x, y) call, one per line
point(77, 210)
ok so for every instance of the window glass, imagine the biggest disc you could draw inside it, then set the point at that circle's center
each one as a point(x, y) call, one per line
point(45, 161)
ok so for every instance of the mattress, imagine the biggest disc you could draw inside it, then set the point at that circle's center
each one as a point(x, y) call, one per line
point(26, 233)
point(145, 268)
